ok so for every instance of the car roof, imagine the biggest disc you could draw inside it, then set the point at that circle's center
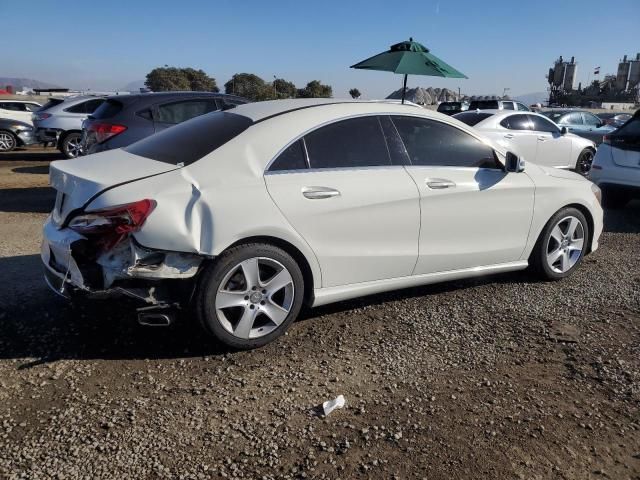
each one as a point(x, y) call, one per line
point(260, 111)
point(17, 101)
point(161, 95)
point(497, 113)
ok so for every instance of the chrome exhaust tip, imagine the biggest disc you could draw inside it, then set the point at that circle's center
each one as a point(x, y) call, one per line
point(148, 319)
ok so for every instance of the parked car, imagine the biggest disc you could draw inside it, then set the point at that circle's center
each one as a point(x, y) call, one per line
point(615, 119)
point(60, 122)
point(534, 137)
point(124, 119)
point(451, 108)
point(498, 105)
point(616, 167)
point(580, 122)
point(20, 110)
point(244, 215)
point(14, 133)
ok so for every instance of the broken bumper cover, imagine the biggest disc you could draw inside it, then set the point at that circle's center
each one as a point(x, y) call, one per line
point(128, 269)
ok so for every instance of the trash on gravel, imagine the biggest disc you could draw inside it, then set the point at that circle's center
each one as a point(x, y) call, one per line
point(330, 405)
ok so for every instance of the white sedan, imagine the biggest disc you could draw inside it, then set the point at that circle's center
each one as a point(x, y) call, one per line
point(246, 215)
point(534, 137)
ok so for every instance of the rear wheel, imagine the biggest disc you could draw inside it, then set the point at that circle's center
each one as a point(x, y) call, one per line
point(71, 145)
point(7, 141)
point(250, 295)
point(562, 244)
point(585, 159)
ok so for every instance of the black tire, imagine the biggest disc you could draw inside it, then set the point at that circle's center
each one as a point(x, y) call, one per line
point(213, 320)
point(70, 145)
point(8, 141)
point(613, 200)
point(538, 259)
point(585, 160)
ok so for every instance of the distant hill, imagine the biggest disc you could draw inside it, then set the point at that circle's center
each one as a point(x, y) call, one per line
point(21, 83)
point(133, 87)
point(426, 96)
point(531, 98)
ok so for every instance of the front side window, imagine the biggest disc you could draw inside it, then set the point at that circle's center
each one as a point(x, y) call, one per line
point(571, 119)
point(433, 143)
point(292, 158)
point(357, 142)
point(179, 112)
point(541, 124)
point(517, 122)
point(507, 105)
point(521, 107)
point(16, 107)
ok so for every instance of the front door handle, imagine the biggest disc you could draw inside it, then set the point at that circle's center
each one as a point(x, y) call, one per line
point(542, 139)
point(318, 193)
point(509, 136)
point(439, 183)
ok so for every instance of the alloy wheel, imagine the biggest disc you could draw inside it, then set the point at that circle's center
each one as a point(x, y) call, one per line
point(7, 142)
point(586, 159)
point(254, 298)
point(565, 244)
point(74, 146)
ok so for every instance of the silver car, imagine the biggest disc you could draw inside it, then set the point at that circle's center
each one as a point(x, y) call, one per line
point(59, 122)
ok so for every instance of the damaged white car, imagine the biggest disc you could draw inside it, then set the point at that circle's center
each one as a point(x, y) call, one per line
point(243, 216)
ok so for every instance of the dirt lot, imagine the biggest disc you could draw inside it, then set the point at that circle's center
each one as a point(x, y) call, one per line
point(495, 378)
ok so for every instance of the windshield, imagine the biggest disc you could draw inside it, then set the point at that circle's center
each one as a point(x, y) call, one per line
point(189, 141)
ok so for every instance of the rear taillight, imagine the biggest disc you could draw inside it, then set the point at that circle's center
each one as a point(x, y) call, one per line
point(105, 131)
point(41, 116)
point(111, 225)
point(606, 139)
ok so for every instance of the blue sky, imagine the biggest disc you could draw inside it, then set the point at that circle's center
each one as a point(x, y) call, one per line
point(497, 44)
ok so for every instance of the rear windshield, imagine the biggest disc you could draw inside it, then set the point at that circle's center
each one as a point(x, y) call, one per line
point(483, 104)
point(631, 128)
point(51, 103)
point(471, 118)
point(446, 107)
point(108, 109)
point(189, 141)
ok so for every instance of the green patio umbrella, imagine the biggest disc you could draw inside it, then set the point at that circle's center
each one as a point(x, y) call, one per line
point(409, 58)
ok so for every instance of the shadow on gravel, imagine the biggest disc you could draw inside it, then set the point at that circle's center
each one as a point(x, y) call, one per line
point(38, 169)
point(623, 220)
point(26, 154)
point(27, 200)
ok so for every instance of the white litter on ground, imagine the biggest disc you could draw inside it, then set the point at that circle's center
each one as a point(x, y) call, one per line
point(330, 405)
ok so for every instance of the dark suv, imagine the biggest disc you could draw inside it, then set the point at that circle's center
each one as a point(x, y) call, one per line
point(125, 119)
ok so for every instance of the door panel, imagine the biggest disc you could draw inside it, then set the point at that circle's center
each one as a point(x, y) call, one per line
point(363, 224)
point(554, 149)
point(481, 219)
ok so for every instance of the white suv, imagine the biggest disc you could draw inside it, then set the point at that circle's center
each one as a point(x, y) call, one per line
point(616, 167)
point(20, 110)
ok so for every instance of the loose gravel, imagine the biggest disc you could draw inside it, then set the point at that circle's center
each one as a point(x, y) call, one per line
point(500, 377)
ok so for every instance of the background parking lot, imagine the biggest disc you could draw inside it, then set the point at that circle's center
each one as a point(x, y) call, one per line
point(500, 377)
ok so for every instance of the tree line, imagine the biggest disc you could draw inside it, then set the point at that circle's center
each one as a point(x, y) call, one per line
point(247, 85)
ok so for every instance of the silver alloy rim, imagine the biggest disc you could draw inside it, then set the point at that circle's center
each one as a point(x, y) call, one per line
point(254, 298)
point(6, 141)
point(74, 147)
point(565, 244)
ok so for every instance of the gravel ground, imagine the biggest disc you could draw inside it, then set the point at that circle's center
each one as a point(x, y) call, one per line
point(494, 378)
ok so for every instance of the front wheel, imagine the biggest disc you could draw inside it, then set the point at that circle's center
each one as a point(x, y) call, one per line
point(7, 141)
point(562, 245)
point(250, 295)
point(71, 145)
point(585, 159)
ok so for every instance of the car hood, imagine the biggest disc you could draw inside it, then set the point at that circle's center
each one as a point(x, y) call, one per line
point(79, 180)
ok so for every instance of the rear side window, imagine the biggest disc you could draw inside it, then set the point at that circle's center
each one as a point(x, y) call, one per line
point(541, 124)
point(472, 118)
point(507, 106)
point(434, 143)
point(591, 120)
point(32, 107)
point(292, 158)
point(517, 122)
point(190, 141)
point(357, 142)
point(108, 109)
point(521, 107)
point(85, 107)
point(17, 107)
point(179, 112)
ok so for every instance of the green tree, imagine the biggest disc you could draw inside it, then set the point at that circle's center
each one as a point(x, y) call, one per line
point(315, 89)
point(249, 86)
point(355, 93)
point(163, 79)
point(283, 88)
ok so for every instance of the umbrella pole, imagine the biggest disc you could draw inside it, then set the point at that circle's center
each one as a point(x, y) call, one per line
point(404, 87)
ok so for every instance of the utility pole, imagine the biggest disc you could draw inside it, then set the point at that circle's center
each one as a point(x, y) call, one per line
point(275, 89)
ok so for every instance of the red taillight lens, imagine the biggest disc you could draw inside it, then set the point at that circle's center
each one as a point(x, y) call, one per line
point(41, 116)
point(105, 131)
point(113, 224)
point(606, 139)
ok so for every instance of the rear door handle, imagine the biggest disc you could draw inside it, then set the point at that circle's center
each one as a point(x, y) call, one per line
point(439, 183)
point(542, 139)
point(509, 135)
point(318, 193)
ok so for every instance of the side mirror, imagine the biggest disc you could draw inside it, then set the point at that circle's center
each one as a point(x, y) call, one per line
point(514, 163)
point(564, 130)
